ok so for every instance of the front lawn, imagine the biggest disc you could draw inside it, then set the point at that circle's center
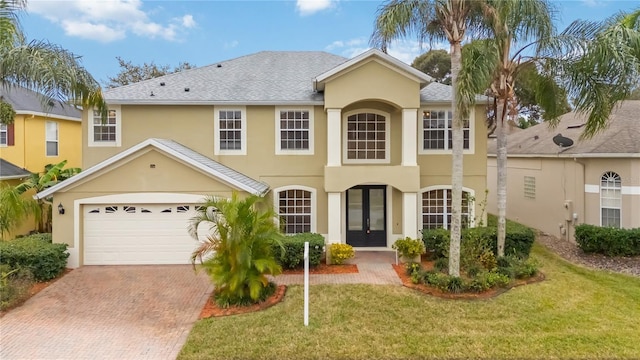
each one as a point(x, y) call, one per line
point(575, 313)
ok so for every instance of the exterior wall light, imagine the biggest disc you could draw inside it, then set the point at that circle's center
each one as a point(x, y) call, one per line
point(60, 209)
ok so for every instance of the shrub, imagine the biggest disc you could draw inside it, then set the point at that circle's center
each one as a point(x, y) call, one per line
point(437, 241)
point(441, 264)
point(519, 238)
point(607, 240)
point(341, 252)
point(409, 248)
point(293, 254)
point(46, 237)
point(15, 285)
point(44, 260)
point(517, 268)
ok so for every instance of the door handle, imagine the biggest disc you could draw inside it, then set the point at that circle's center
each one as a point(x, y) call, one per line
point(368, 226)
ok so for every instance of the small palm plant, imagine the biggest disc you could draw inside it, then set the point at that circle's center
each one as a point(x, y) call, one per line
point(237, 253)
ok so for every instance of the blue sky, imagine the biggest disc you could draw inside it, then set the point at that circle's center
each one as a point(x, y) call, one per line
point(205, 32)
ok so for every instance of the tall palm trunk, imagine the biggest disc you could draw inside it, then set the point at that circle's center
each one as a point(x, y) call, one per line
point(457, 170)
point(501, 159)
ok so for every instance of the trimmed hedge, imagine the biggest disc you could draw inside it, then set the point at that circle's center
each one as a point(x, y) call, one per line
point(45, 261)
point(293, 255)
point(607, 240)
point(46, 237)
point(519, 239)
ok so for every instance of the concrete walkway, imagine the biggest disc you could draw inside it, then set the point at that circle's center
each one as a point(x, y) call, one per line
point(374, 267)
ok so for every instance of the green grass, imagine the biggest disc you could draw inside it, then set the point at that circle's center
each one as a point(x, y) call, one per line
point(574, 313)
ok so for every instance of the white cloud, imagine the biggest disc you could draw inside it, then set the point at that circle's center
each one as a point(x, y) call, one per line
point(308, 7)
point(108, 20)
point(403, 50)
point(231, 44)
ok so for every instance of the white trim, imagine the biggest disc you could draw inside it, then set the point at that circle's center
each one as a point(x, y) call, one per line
point(574, 156)
point(311, 131)
point(591, 189)
point(314, 203)
point(243, 130)
point(6, 136)
point(472, 207)
point(446, 151)
point(630, 190)
point(409, 139)
point(149, 142)
point(409, 218)
point(387, 141)
point(373, 53)
point(216, 102)
point(334, 217)
point(12, 177)
point(133, 198)
point(334, 138)
point(48, 115)
point(90, 129)
point(47, 140)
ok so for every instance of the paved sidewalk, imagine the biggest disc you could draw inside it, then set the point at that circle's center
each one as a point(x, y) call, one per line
point(374, 268)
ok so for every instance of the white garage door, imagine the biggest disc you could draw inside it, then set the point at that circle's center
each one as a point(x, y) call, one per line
point(121, 234)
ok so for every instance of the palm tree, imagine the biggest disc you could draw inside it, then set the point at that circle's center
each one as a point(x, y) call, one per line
point(442, 20)
point(53, 174)
point(14, 208)
point(520, 35)
point(237, 253)
point(46, 68)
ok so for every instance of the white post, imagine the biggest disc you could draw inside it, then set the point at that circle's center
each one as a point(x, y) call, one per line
point(409, 214)
point(334, 141)
point(306, 283)
point(409, 138)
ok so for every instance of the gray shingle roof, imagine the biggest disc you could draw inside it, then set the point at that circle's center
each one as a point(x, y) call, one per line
point(228, 172)
point(11, 171)
point(267, 77)
point(437, 92)
point(28, 101)
point(622, 136)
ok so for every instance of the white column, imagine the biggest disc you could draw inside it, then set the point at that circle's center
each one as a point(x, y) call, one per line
point(334, 140)
point(334, 217)
point(409, 137)
point(409, 214)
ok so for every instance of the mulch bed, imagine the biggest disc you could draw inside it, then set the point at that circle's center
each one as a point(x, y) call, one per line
point(211, 309)
point(433, 291)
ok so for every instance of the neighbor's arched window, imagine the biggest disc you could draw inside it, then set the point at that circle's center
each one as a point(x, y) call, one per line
point(295, 206)
point(436, 207)
point(610, 199)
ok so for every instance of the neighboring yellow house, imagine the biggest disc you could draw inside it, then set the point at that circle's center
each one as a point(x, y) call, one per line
point(595, 181)
point(357, 150)
point(40, 134)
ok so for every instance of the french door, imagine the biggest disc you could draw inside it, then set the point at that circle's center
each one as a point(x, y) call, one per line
point(367, 216)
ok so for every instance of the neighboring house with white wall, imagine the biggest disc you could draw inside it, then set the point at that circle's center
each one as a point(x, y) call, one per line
point(358, 150)
point(595, 181)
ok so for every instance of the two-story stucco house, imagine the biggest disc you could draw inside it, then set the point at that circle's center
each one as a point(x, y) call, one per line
point(355, 149)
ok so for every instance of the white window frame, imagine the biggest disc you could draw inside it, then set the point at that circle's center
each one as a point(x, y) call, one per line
point(472, 207)
point(4, 128)
point(278, 137)
point(314, 204)
point(446, 150)
point(118, 142)
point(345, 134)
point(243, 130)
point(48, 140)
point(619, 191)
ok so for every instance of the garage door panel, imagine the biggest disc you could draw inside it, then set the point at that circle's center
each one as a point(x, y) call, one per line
point(121, 234)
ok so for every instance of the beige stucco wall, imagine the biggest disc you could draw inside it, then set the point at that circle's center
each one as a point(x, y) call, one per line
point(371, 80)
point(557, 180)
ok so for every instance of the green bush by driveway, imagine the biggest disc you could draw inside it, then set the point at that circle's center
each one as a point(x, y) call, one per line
point(45, 260)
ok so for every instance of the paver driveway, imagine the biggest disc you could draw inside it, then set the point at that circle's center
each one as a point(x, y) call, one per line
point(107, 312)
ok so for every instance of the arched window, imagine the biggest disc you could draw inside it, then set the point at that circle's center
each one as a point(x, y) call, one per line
point(436, 207)
point(610, 199)
point(295, 206)
point(366, 137)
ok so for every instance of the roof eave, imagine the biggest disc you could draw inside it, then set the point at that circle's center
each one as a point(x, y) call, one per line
point(571, 156)
point(214, 102)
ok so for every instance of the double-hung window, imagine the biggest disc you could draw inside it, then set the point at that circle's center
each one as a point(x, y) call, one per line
point(4, 135)
point(105, 131)
point(51, 138)
point(230, 131)
point(610, 199)
point(294, 131)
point(436, 132)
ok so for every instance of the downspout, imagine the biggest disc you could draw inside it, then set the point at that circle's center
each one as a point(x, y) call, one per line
point(581, 191)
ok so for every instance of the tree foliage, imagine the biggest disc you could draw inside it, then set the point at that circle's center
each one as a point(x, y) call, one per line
point(38, 65)
point(14, 208)
point(237, 254)
point(130, 73)
point(435, 63)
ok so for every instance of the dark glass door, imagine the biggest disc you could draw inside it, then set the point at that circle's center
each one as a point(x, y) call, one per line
point(367, 216)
